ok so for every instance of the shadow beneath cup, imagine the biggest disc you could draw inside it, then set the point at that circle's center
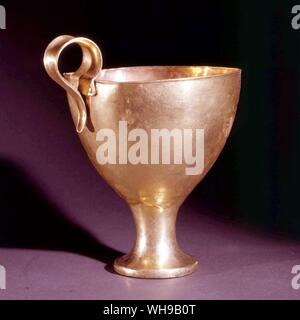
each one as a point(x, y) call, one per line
point(30, 221)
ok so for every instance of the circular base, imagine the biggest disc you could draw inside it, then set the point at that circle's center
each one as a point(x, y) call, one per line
point(123, 267)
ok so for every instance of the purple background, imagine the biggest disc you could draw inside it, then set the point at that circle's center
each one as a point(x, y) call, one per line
point(62, 226)
point(234, 263)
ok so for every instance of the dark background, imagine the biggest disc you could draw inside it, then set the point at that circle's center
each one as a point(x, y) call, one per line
point(47, 184)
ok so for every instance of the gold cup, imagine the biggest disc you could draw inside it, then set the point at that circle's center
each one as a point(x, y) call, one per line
point(184, 97)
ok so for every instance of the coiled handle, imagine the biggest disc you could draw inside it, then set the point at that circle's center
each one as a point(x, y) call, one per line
point(85, 75)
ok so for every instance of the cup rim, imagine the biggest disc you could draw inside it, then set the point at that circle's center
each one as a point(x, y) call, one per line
point(229, 71)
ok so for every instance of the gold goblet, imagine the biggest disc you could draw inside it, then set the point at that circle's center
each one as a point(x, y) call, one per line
point(180, 98)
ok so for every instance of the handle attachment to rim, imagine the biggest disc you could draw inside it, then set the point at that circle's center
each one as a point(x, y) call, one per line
point(84, 86)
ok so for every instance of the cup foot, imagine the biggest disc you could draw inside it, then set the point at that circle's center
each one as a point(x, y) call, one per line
point(124, 267)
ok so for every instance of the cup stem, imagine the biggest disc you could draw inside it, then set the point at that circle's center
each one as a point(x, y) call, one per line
point(156, 253)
